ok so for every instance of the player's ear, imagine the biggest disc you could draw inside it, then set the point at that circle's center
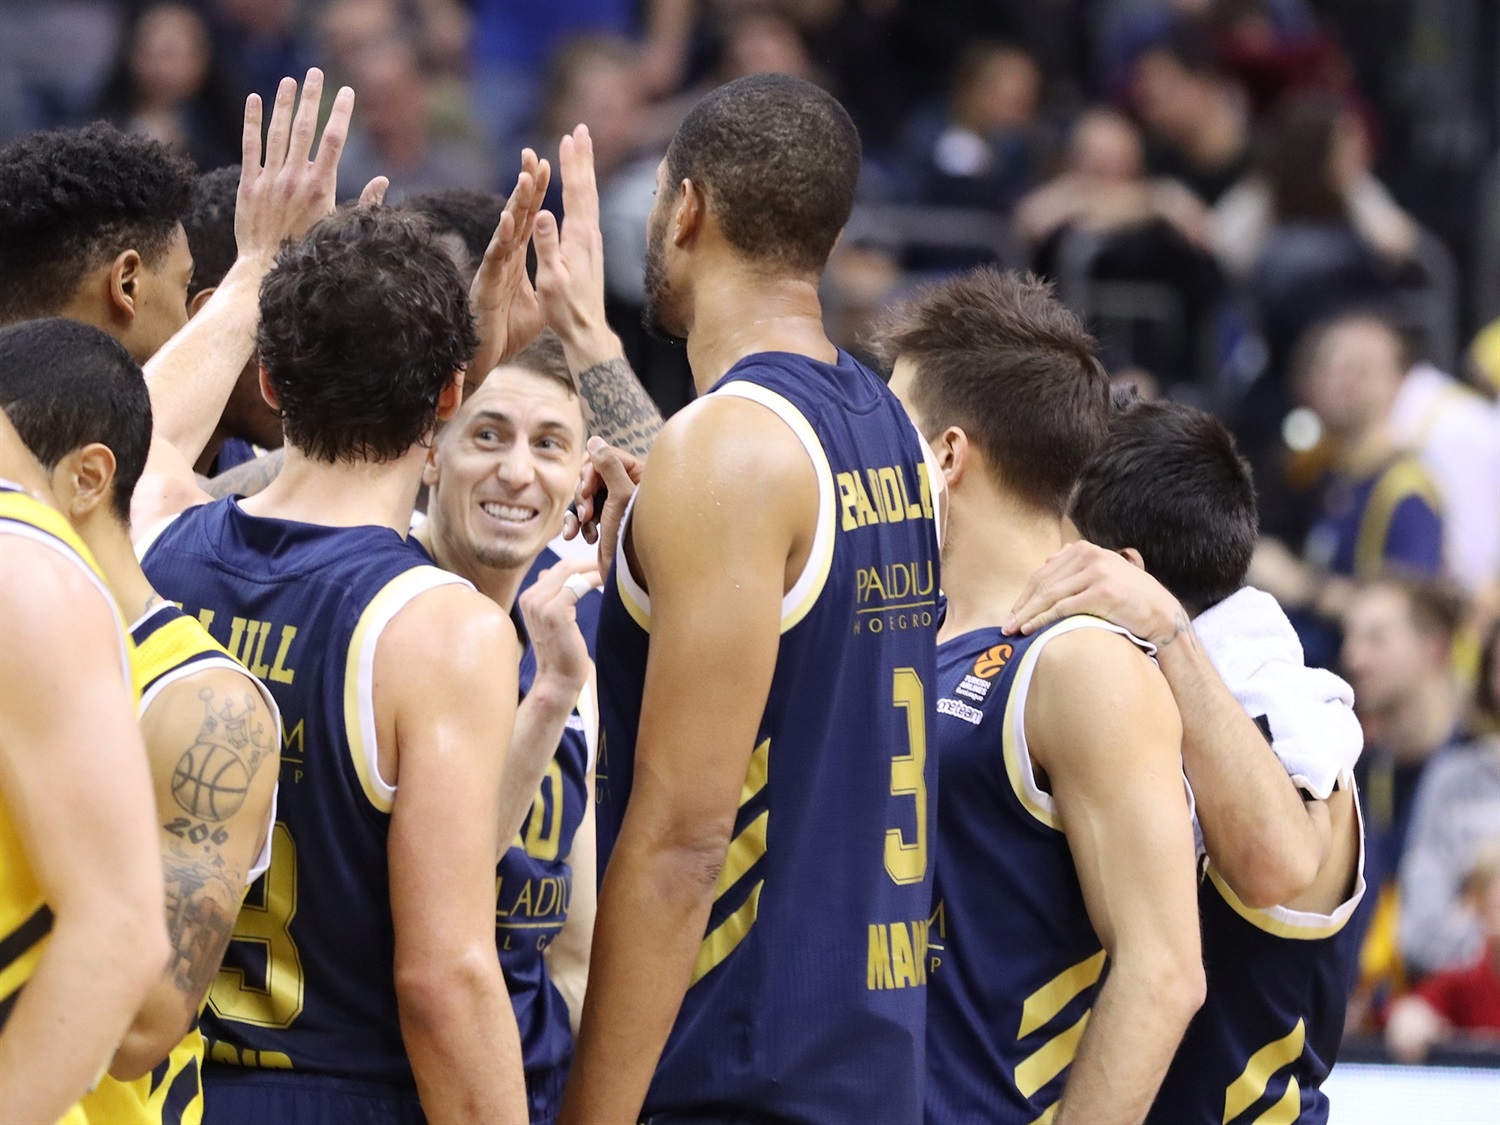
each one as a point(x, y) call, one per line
point(125, 282)
point(268, 392)
point(692, 209)
point(431, 470)
point(954, 453)
point(1133, 557)
point(452, 397)
point(199, 299)
point(88, 476)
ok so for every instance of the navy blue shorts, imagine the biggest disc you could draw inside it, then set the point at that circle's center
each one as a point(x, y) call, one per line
point(235, 1095)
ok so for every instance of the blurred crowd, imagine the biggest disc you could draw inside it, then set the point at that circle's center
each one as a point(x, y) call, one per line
point(1279, 210)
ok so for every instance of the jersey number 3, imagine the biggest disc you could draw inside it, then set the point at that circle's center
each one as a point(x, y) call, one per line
point(906, 861)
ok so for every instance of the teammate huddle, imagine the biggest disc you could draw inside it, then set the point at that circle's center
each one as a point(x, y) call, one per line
point(889, 828)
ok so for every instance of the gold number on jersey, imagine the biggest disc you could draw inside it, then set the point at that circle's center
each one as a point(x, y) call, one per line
point(546, 814)
point(907, 862)
point(265, 922)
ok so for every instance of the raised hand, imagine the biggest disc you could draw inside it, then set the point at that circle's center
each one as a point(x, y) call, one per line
point(504, 303)
point(550, 609)
point(283, 191)
point(610, 477)
point(570, 261)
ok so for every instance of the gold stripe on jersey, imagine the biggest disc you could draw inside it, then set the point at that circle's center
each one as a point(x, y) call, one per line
point(1049, 1060)
point(1043, 1005)
point(727, 935)
point(745, 851)
point(1251, 1085)
point(1049, 1115)
point(1279, 921)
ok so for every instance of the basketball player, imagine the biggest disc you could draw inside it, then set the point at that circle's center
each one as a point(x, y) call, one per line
point(1285, 866)
point(502, 473)
point(765, 792)
point(1063, 834)
point(81, 931)
point(211, 729)
point(381, 981)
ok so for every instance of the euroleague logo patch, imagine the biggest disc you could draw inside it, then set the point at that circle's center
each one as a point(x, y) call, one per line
point(993, 662)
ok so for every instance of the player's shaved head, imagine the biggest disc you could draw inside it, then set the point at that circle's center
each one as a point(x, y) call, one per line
point(65, 385)
point(998, 356)
point(777, 159)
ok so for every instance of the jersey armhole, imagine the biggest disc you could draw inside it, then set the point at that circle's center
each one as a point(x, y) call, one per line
point(799, 600)
point(1019, 767)
point(359, 675)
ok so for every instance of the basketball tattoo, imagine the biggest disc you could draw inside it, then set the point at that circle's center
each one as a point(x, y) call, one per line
point(210, 783)
point(213, 775)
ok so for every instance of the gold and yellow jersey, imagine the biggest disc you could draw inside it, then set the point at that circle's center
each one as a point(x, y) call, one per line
point(25, 918)
point(168, 645)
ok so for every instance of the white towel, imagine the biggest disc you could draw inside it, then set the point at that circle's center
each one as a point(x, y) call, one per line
point(1309, 711)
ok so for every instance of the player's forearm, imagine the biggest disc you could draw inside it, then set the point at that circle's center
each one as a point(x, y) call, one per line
point(653, 909)
point(460, 1034)
point(191, 378)
point(620, 411)
point(1256, 826)
point(1137, 1021)
point(540, 721)
point(76, 1006)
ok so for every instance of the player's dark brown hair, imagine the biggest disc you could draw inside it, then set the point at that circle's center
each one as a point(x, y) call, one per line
point(545, 356)
point(1000, 357)
point(778, 160)
point(363, 324)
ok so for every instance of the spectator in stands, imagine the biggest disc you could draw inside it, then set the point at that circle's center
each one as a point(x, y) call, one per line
point(1105, 189)
point(167, 85)
point(512, 42)
point(1105, 219)
point(1195, 117)
point(1453, 429)
point(1457, 810)
point(1378, 510)
point(248, 426)
point(1397, 655)
point(992, 149)
point(392, 135)
point(1461, 1002)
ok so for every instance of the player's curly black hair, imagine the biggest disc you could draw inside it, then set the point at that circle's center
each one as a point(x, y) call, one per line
point(210, 227)
point(362, 325)
point(73, 199)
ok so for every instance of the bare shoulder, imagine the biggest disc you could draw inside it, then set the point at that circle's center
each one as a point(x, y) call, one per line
point(45, 597)
point(213, 702)
point(1095, 687)
point(445, 629)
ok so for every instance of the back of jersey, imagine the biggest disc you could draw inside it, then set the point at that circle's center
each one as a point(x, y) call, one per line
point(25, 918)
point(1017, 962)
point(307, 981)
point(1269, 1030)
point(808, 998)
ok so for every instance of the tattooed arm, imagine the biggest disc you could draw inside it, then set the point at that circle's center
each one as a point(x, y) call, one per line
point(214, 748)
point(570, 286)
point(247, 479)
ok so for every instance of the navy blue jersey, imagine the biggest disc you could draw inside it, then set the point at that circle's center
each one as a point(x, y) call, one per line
point(1016, 962)
point(808, 998)
point(534, 886)
point(1267, 1034)
point(307, 981)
